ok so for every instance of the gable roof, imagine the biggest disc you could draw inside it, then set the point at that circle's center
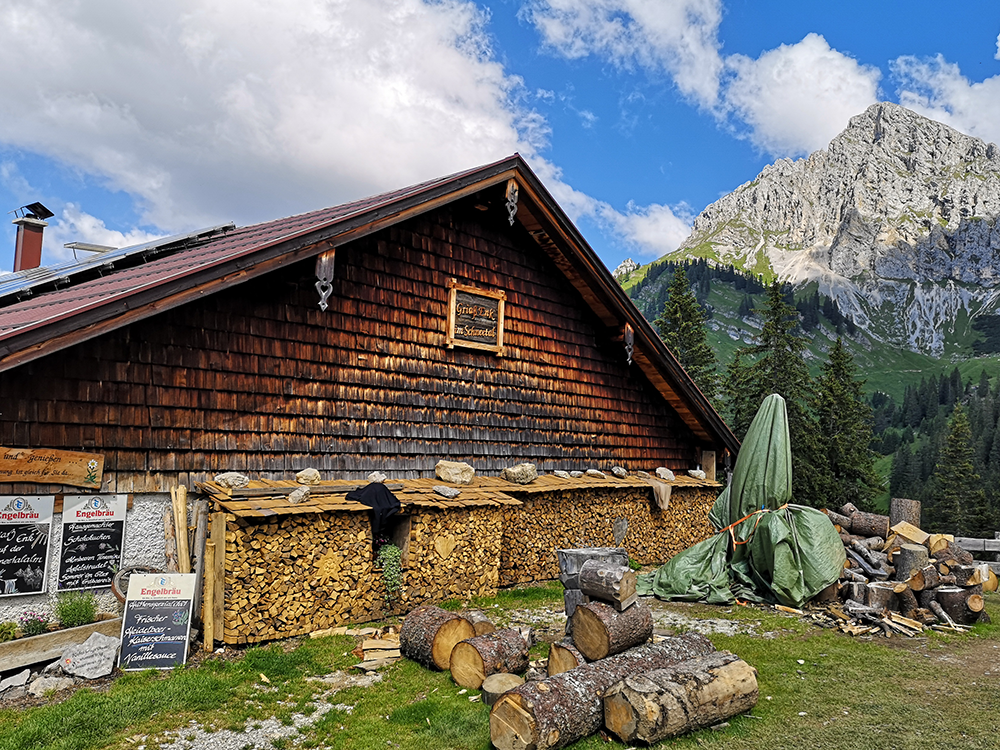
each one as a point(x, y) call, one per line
point(43, 313)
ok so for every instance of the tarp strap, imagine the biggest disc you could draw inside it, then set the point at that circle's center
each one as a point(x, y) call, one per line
point(759, 513)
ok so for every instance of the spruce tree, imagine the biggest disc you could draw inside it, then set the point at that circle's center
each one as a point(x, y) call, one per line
point(682, 327)
point(955, 492)
point(775, 364)
point(844, 420)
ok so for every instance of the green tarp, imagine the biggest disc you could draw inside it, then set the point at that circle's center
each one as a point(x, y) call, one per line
point(767, 549)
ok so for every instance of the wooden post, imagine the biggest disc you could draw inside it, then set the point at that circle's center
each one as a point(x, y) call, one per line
point(208, 618)
point(170, 540)
point(200, 535)
point(179, 497)
point(219, 573)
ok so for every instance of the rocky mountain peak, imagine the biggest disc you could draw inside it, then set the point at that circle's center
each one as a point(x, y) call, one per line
point(897, 219)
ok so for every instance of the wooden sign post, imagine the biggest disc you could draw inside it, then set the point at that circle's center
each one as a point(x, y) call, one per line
point(25, 522)
point(157, 620)
point(44, 466)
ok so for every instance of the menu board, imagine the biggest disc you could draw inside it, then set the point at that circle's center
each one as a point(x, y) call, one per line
point(157, 620)
point(93, 531)
point(25, 522)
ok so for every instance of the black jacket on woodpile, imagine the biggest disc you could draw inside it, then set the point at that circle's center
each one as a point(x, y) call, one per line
point(382, 502)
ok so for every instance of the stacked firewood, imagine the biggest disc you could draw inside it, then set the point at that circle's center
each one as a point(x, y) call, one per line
point(899, 579)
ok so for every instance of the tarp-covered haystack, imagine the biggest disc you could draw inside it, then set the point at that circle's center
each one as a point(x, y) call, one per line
point(766, 549)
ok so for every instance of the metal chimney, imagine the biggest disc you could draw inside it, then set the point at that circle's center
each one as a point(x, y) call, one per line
point(30, 223)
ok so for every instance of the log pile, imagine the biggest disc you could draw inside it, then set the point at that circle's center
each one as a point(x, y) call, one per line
point(562, 519)
point(902, 580)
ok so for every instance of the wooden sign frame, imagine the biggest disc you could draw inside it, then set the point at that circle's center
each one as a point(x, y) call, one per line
point(475, 318)
point(49, 466)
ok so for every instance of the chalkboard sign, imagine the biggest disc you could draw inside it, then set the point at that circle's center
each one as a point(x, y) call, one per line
point(475, 318)
point(93, 529)
point(157, 620)
point(25, 522)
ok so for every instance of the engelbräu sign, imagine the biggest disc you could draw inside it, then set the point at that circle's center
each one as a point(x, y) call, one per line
point(157, 621)
point(25, 523)
point(93, 533)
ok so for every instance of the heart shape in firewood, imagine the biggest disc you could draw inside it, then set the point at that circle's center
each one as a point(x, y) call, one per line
point(445, 545)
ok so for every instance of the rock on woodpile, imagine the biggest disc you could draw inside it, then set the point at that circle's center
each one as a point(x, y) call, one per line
point(520, 474)
point(899, 579)
point(456, 472)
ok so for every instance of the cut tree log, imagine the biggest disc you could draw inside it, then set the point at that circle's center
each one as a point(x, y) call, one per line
point(909, 559)
point(910, 532)
point(572, 560)
point(614, 584)
point(931, 576)
point(694, 694)
point(990, 584)
point(564, 656)
point(937, 542)
point(869, 524)
point(916, 581)
point(848, 509)
point(497, 684)
point(960, 604)
point(874, 543)
point(849, 574)
point(904, 510)
point(557, 711)
point(843, 523)
point(599, 630)
point(906, 600)
point(475, 659)
point(480, 622)
point(429, 634)
point(952, 554)
point(879, 574)
point(856, 590)
point(964, 574)
point(881, 595)
point(573, 598)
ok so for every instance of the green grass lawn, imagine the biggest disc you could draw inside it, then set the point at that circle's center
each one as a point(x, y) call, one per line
point(818, 689)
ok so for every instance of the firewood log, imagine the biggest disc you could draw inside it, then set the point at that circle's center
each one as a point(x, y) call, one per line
point(903, 510)
point(963, 574)
point(916, 581)
point(599, 630)
point(691, 695)
point(909, 559)
point(843, 523)
point(848, 510)
point(475, 659)
point(830, 594)
point(938, 542)
point(609, 583)
point(871, 572)
point(869, 524)
point(560, 710)
point(907, 601)
point(497, 684)
point(951, 551)
point(429, 634)
point(955, 601)
point(931, 575)
point(881, 595)
point(874, 543)
point(856, 590)
point(573, 598)
point(849, 574)
point(563, 656)
point(990, 584)
point(480, 622)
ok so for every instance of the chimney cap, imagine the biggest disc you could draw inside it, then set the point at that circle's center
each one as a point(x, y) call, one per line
point(33, 211)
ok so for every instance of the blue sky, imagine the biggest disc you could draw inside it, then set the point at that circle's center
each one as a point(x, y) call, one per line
point(132, 121)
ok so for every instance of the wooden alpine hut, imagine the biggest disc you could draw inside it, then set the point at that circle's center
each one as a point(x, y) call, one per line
point(463, 319)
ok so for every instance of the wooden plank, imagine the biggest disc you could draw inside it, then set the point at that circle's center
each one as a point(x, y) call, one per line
point(49, 646)
point(978, 545)
point(218, 534)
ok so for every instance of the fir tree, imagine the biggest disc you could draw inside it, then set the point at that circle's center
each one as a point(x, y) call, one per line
point(774, 364)
point(682, 328)
point(956, 496)
point(844, 420)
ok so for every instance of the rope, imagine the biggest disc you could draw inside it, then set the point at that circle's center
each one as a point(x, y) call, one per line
point(759, 513)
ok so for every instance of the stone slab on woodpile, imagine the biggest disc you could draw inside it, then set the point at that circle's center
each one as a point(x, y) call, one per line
point(308, 477)
point(520, 474)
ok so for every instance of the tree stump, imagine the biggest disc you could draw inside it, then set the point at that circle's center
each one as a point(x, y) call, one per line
point(962, 605)
point(909, 559)
point(599, 630)
point(610, 583)
point(555, 712)
point(497, 684)
point(869, 524)
point(475, 659)
point(429, 634)
point(669, 702)
point(480, 622)
point(856, 590)
point(563, 657)
point(881, 595)
point(902, 509)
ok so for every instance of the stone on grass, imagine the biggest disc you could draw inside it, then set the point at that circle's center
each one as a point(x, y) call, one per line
point(44, 684)
point(232, 479)
point(308, 476)
point(456, 472)
point(448, 492)
point(93, 658)
point(15, 680)
point(520, 474)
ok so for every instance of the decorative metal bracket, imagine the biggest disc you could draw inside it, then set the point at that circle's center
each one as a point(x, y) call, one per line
point(511, 200)
point(324, 276)
point(629, 341)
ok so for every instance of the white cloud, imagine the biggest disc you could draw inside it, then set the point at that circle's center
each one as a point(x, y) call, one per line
point(937, 89)
point(214, 110)
point(997, 55)
point(795, 98)
point(679, 37)
point(74, 225)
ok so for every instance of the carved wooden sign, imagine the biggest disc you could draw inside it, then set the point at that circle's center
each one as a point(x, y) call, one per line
point(41, 465)
point(475, 318)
